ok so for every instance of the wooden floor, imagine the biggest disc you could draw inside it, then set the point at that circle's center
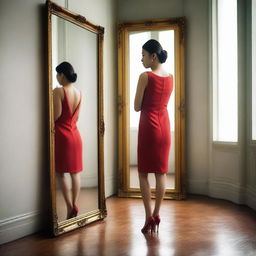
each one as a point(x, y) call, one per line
point(198, 226)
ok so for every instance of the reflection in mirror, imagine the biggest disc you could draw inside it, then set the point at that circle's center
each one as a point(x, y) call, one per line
point(136, 40)
point(78, 46)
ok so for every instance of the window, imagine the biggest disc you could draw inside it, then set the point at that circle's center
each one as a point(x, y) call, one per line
point(253, 70)
point(225, 73)
point(136, 40)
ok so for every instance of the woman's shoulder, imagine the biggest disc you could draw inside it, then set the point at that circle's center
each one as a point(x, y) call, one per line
point(143, 77)
point(57, 89)
point(58, 92)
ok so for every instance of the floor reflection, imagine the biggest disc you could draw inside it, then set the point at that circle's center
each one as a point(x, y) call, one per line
point(87, 201)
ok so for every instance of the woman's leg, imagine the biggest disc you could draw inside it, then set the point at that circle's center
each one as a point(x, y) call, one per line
point(146, 193)
point(75, 187)
point(160, 191)
point(65, 191)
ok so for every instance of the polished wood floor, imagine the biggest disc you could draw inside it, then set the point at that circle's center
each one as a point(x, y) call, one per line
point(198, 226)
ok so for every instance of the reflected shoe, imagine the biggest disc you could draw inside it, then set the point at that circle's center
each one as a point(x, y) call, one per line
point(157, 221)
point(149, 225)
point(75, 211)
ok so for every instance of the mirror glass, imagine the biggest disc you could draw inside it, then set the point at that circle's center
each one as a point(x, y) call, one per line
point(78, 46)
point(136, 40)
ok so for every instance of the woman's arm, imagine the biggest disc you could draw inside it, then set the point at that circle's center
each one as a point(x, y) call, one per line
point(142, 83)
point(57, 107)
point(78, 112)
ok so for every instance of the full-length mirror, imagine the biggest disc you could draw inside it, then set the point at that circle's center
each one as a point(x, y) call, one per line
point(76, 119)
point(131, 37)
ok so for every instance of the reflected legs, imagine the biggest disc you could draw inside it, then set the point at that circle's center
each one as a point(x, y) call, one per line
point(70, 201)
point(65, 191)
point(75, 177)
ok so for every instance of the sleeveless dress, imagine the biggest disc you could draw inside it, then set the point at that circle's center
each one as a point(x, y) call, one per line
point(68, 143)
point(154, 138)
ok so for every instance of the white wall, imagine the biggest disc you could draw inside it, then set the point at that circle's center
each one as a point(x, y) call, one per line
point(24, 190)
point(250, 147)
point(23, 125)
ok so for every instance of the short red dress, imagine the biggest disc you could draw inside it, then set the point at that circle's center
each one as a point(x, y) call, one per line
point(154, 138)
point(68, 142)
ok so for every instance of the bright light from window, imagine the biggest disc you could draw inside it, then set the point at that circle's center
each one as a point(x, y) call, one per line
point(225, 91)
point(166, 39)
point(136, 40)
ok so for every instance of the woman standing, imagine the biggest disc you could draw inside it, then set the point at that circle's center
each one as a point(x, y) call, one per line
point(153, 92)
point(68, 143)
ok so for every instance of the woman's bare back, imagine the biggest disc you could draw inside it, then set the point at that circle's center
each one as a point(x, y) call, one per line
point(74, 97)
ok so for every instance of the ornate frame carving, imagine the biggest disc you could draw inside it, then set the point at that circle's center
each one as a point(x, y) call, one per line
point(84, 219)
point(177, 24)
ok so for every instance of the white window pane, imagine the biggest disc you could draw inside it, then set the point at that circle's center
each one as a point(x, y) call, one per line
point(166, 39)
point(253, 70)
point(227, 82)
point(136, 41)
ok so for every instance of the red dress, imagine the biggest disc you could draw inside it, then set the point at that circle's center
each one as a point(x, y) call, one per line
point(154, 138)
point(68, 143)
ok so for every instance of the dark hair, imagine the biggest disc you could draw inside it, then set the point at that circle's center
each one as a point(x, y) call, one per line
point(153, 46)
point(67, 69)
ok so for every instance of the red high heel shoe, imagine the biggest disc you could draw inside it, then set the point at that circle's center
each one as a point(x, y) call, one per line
point(149, 225)
point(75, 211)
point(157, 221)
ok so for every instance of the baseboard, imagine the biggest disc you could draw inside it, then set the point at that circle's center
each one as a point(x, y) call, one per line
point(228, 191)
point(198, 187)
point(89, 181)
point(224, 190)
point(19, 226)
point(110, 186)
point(251, 197)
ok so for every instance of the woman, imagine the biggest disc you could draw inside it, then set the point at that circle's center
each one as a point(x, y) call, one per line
point(68, 143)
point(153, 92)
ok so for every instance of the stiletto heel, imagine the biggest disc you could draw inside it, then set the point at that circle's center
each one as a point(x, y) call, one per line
point(75, 211)
point(157, 221)
point(149, 225)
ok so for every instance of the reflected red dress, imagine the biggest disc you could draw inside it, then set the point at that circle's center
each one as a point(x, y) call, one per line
point(68, 143)
point(154, 138)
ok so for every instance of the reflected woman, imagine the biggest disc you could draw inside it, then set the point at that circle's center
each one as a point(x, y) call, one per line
point(152, 96)
point(68, 143)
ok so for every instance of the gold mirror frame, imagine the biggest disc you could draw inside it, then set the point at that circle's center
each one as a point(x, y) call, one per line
point(101, 212)
point(176, 24)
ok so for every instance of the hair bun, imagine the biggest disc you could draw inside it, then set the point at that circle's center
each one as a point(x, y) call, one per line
point(163, 56)
point(73, 77)
point(67, 69)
